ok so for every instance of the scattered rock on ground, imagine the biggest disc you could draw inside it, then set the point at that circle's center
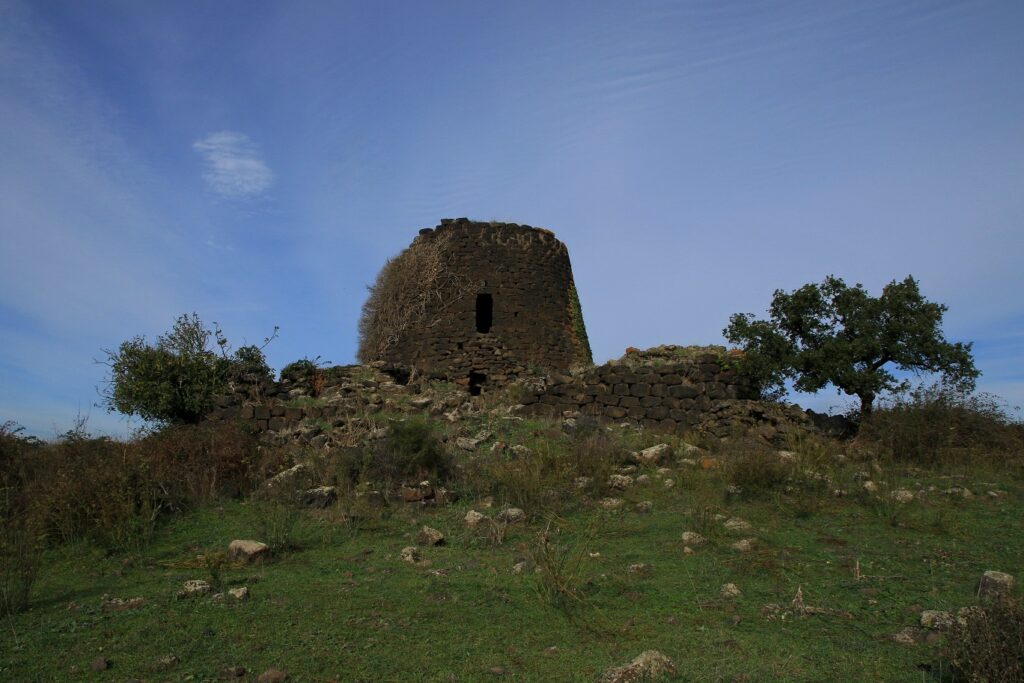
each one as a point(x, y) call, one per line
point(473, 518)
point(655, 455)
point(167, 661)
point(909, 635)
point(641, 569)
point(669, 483)
point(730, 590)
point(744, 546)
point(120, 605)
point(647, 666)
point(411, 555)
point(429, 537)
point(692, 538)
point(232, 672)
point(787, 457)
point(644, 506)
point(273, 676)
point(100, 664)
point(292, 479)
point(247, 550)
point(870, 486)
point(319, 497)
point(902, 496)
point(620, 482)
point(737, 524)
point(937, 620)
point(511, 516)
point(643, 480)
point(241, 593)
point(995, 584)
point(611, 503)
point(194, 587)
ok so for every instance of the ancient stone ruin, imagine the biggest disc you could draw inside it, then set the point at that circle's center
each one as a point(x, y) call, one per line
point(476, 303)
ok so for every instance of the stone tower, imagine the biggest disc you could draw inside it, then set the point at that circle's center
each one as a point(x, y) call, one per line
point(476, 303)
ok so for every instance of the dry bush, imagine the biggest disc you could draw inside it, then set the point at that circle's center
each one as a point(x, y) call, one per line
point(412, 451)
point(755, 470)
point(96, 488)
point(114, 492)
point(988, 645)
point(536, 481)
point(596, 457)
point(936, 425)
point(191, 466)
point(412, 289)
point(21, 533)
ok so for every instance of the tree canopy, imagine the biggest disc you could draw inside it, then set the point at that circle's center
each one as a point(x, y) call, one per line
point(177, 379)
point(831, 333)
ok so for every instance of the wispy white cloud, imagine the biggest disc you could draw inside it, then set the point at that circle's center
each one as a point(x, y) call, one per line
point(234, 167)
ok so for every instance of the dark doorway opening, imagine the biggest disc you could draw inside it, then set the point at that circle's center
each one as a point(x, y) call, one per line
point(484, 312)
point(476, 382)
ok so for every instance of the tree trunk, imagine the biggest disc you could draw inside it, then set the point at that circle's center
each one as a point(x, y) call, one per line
point(867, 400)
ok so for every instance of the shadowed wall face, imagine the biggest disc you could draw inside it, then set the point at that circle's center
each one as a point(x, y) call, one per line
point(496, 300)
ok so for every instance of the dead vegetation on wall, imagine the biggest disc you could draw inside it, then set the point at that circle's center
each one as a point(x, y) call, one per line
point(418, 283)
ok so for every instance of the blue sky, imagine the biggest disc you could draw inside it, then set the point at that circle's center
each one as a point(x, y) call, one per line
point(256, 162)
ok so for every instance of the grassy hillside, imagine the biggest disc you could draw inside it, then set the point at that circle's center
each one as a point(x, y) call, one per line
point(582, 584)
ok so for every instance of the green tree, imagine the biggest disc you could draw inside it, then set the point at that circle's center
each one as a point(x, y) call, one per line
point(831, 333)
point(177, 379)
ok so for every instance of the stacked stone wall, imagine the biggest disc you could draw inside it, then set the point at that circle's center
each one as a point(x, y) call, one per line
point(671, 397)
point(342, 392)
point(535, 323)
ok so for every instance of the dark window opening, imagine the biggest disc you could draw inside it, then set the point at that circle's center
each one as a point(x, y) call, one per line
point(476, 382)
point(484, 313)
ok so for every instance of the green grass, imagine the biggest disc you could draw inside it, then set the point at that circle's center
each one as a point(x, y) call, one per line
point(341, 606)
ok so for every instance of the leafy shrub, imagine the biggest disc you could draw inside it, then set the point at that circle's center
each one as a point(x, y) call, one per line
point(411, 451)
point(988, 645)
point(937, 423)
point(177, 379)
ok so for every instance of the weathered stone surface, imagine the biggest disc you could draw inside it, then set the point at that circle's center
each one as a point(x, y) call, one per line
point(295, 478)
point(529, 298)
point(903, 496)
point(650, 665)
point(737, 525)
point(120, 605)
point(511, 516)
point(240, 593)
point(320, 497)
point(937, 620)
point(247, 549)
point(745, 545)
point(692, 538)
point(995, 584)
point(193, 588)
point(655, 455)
point(620, 482)
point(729, 591)
point(410, 554)
point(429, 537)
point(473, 519)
